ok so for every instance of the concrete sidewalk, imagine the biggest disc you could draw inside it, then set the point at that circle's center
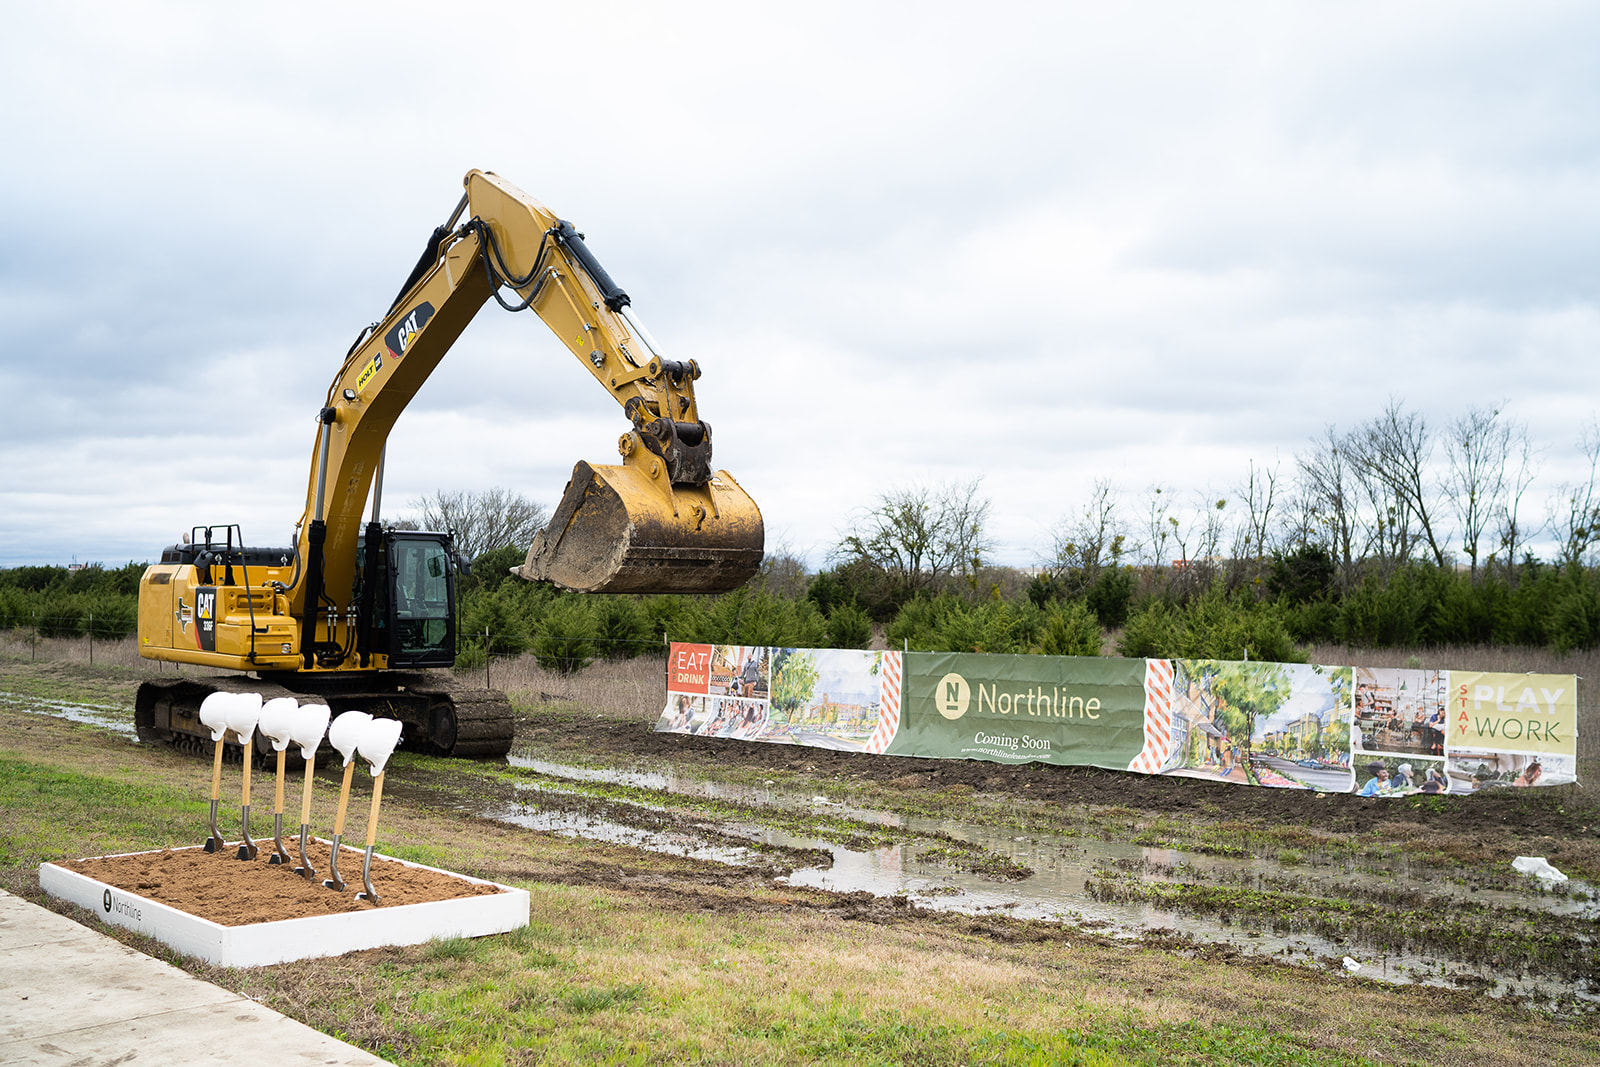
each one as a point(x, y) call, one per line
point(70, 995)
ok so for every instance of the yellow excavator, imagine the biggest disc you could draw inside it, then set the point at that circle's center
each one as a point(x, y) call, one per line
point(359, 615)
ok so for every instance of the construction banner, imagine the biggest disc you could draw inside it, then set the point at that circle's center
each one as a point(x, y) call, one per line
point(1375, 731)
point(1020, 709)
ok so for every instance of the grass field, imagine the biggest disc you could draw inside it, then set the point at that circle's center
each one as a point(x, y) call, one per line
point(636, 957)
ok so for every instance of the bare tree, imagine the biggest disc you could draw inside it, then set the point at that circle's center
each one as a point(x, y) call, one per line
point(1575, 519)
point(783, 572)
point(1091, 540)
point(1259, 494)
point(1478, 445)
point(1521, 469)
point(1329, 495)
point(1198, 534)
point(1391, 454)
point(1158, 528)
point(922, 537)
point(482, 522)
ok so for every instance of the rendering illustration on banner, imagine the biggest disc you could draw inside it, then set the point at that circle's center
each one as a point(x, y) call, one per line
point(1370, 730)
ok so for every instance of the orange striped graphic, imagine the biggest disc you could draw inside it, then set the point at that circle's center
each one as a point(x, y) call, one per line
point(1157, 718)
point(888, 703)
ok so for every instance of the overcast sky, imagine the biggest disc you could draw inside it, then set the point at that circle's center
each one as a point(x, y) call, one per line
point(1037, 243)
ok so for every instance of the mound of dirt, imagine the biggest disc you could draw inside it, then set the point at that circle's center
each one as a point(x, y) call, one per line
point(233, 892)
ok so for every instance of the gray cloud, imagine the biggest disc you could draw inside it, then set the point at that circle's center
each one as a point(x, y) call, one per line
point(1038, 243)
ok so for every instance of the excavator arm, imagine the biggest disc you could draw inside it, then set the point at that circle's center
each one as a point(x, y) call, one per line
point(661, 521)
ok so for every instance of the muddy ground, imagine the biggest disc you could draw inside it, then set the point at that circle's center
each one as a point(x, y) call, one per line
point(1411, 856)
point(1571, 816)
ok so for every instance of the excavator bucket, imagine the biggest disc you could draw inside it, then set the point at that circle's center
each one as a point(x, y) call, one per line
point(618, 530)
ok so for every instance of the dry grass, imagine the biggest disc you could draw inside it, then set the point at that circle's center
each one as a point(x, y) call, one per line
point(624, 689)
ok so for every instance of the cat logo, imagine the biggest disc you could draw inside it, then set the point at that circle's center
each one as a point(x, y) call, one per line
point(206, 604)
point(399, 339)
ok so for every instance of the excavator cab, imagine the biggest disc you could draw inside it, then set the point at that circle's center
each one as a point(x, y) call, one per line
point(413, 609)
point(422, 606)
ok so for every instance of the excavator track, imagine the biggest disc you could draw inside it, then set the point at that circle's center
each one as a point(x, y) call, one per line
point(168, 712)
point(480, 723)
point(441, 716)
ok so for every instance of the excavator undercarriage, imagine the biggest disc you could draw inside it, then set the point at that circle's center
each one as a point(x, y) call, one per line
point(441, 716)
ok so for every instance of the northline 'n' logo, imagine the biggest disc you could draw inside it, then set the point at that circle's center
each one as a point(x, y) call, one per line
point(952, 695)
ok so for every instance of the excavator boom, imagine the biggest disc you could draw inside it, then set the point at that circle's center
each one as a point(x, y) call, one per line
point(662, 521)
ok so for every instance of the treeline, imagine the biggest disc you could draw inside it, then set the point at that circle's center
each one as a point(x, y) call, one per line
point(71, 602)
point(1255, 610)
point(1233, 610)
point(1390, 534)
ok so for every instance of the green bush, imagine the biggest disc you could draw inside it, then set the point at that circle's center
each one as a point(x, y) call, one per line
point(746, 617)
point(493, 569)
point(499, 614)
point(1312, 621)
point(849, 627)
point(115, 617)
point(61, 616)
point(1111, 597)
point(564, 639)
point(1386, 614)
point(861, 583)
point(16, 608)
point(668, 616)
point(621, 629)
point(1302, 576)
point(946, 623)
point(1071, 629)
point(1212, 626)
point(1575, 618)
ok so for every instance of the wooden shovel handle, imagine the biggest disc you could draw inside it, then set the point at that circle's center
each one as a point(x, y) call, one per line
point(216, 774)
point(247, 761)
point(305, 797)
point(372, 816)
point(344, 797)
point(283, 756)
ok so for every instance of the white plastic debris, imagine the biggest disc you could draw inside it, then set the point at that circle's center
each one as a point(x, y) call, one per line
point(1351, 965)
point(1538, 867)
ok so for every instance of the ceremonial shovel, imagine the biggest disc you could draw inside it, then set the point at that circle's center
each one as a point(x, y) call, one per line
point(375, 745)
point(243, 712)
point(310, 723)
point(277, 721)
point(214, 714)
point(343, 735)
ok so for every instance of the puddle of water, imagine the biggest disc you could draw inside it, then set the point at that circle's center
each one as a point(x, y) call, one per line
point(592, 828)
point(1057, 890)
point(118, 720)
